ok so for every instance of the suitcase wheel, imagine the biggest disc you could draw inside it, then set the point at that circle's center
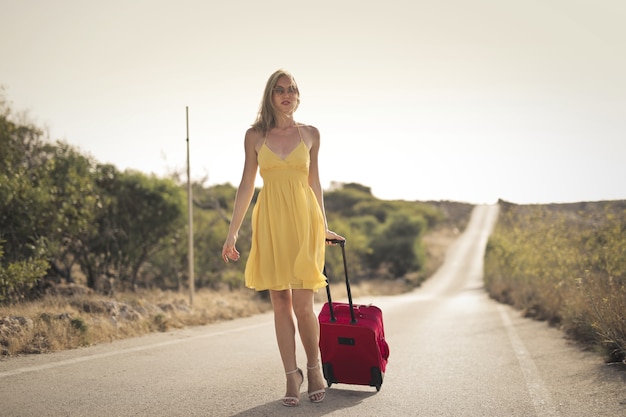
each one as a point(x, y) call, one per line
point(377, 378)
point(328, 374)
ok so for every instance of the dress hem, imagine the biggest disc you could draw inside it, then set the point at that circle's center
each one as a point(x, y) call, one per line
point(288, 287)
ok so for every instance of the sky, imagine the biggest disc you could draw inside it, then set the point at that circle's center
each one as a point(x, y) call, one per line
point(462, 100)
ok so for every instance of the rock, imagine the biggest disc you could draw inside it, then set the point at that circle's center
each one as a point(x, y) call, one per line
point(69, 290)
point(12, 327)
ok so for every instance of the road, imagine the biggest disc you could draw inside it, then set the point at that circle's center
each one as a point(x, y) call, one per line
point(454, 352)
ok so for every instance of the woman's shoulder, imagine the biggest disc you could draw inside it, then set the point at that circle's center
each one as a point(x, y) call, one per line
point(254, 134)
point(310, 130)
point(310, 135)
point(306, 126)
point(253, 131)
point(254, 138)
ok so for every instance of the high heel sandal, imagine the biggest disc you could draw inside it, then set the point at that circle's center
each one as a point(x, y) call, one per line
point(319, 395)
point(293, 401)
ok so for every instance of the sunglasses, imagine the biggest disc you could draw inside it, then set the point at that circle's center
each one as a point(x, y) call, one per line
point(281, 90)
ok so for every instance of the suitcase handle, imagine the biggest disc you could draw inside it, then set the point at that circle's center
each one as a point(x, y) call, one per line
point(353, 320)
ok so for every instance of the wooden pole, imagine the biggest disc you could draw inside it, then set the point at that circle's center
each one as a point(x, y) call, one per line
point(190, 258)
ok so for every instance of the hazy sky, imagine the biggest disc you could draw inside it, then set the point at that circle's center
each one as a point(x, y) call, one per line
point(465, 100)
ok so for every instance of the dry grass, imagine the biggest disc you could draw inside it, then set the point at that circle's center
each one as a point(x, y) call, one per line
point(58, 322)
point(564, 264)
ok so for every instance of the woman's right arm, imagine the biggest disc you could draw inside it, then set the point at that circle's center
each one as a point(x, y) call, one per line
point(245, 191)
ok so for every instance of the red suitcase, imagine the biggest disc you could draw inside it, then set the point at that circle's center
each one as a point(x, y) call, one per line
point(352, 340)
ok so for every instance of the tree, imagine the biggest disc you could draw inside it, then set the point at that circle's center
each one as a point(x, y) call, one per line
point(398, 247)
point(74, 203)
point(23, 206)
point(141, 213)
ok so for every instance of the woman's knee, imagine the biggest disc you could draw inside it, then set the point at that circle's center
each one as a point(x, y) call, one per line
point(281, 301)
point(303, 304)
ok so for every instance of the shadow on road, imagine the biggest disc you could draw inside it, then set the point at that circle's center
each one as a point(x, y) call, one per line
point(336, 399)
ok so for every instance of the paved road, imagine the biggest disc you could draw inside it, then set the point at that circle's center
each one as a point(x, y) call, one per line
point(454, 352)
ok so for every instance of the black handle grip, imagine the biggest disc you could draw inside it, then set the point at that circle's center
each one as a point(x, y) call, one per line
point(337, 241)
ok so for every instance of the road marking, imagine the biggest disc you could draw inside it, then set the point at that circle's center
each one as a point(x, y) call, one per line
point(539, 394)
point(80, 359)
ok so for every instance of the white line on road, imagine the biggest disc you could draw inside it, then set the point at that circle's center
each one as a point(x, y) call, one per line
point(539, 394)
point(121, 351)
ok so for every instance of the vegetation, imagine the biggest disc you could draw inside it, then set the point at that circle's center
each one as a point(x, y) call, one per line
point(61, 211)
point(89, 253)
point(68, 222)
point(72, 316)
point(66, 218)
point(565, 263)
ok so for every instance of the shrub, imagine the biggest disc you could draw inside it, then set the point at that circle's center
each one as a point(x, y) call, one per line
point(564, 264)
point(18, 277)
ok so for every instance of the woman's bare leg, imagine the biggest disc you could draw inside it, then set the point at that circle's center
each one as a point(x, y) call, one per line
point(285, 336)
point(308, 327)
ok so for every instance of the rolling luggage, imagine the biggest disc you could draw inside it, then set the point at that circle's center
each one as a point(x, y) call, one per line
point(352, 340)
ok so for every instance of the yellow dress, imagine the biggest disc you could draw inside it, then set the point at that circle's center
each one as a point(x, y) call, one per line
point(288, 233)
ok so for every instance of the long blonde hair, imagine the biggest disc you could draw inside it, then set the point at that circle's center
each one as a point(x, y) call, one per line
point(266, 118)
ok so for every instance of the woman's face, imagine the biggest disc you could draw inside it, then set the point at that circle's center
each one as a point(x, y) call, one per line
point(285, 95)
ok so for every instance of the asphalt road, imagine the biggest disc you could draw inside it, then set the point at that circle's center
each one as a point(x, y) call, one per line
point(454, 352)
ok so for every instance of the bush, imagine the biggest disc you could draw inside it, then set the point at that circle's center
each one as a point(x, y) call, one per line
point(16, 278)
point(564, 264)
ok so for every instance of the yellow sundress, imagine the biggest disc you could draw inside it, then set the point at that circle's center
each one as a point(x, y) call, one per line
point(288, 232)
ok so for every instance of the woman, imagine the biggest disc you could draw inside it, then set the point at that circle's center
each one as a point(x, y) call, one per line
point(289, 227)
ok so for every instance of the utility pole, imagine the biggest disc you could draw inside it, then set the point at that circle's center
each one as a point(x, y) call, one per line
point(190, 259)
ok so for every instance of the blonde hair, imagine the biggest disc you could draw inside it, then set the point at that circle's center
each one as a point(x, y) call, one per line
point(266, 118)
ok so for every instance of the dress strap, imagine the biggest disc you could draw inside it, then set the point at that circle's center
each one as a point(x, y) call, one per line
point(299, 134)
